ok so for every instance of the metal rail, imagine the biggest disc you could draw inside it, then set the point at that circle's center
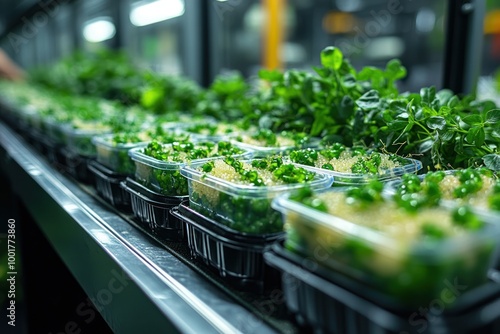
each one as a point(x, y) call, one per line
point(146, 286)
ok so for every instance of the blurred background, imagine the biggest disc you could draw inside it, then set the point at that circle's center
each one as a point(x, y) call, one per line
point(201, 39)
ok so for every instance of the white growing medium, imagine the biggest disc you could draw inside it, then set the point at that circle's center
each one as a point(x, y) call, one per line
point(227, 173)
point(387, 218)
point(222, 129)
point(90, 126)
point(480, 198)
point(345, 162)
point(143, 136)
point(281, 140)
point(183, 155)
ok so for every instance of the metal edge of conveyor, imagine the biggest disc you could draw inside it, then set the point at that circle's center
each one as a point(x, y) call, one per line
point(162, 293)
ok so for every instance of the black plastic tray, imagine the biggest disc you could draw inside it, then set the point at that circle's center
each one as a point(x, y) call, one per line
point(152, 210)
point(8, 115)
point(77, 166)
point(321, 305)
point(46, 146)
point(34, 138)
point(52, 151)
point(107, 185)
point(235, 256)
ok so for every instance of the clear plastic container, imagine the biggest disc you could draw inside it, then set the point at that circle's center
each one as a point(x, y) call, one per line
point(211, 131)
point(413, 272)
point(243, 208)
point(115, 156)
point(351, 179)
point(261, 151)
point(323, 302)
point(478, 201)
point(164, 177)
point(176, 121)
point(79, 140)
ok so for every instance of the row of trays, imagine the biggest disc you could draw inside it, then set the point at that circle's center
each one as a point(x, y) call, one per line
point(317, 298)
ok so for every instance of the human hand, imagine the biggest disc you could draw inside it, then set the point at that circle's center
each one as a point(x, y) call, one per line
point(8, 69)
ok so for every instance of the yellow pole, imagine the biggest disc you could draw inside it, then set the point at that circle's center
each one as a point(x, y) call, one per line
point(273, 33)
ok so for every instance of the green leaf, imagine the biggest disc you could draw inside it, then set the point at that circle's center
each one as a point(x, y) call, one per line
point(395, 70)
point(459, 146)
point(322, 72)
point(271, 75)
point(387, 116)
point(408, 127)
point(369, 100)
point(428, 94)
point(445, 111)
point(410, 109)
point(444, 96)
point(493, 116)
point(373, 74)
point(453, 102)
point(419, 114)
point(398, 106)
point(294, 79)
point(359, 122)
point(487, 105)
point(472, 119)
point(428, 112)
point(367, 72)
point(346, 108)
point(480, 137)
point(476, 135)
point(332, 57)
point(447, 135)
point(397, 125)
point(320, 121)
point(349, 81)
point(317, 127)
point(492, 161)
point(471, 135)
point(152, 98)
point(425, 146)
point(436, 123)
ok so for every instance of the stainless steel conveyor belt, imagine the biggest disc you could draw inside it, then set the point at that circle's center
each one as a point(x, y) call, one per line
point(159, 292)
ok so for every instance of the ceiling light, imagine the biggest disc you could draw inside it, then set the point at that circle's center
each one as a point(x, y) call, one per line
point(145, 13)
point(99, 30)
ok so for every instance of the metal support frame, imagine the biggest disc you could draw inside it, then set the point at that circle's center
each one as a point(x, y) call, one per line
point(464, 39)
